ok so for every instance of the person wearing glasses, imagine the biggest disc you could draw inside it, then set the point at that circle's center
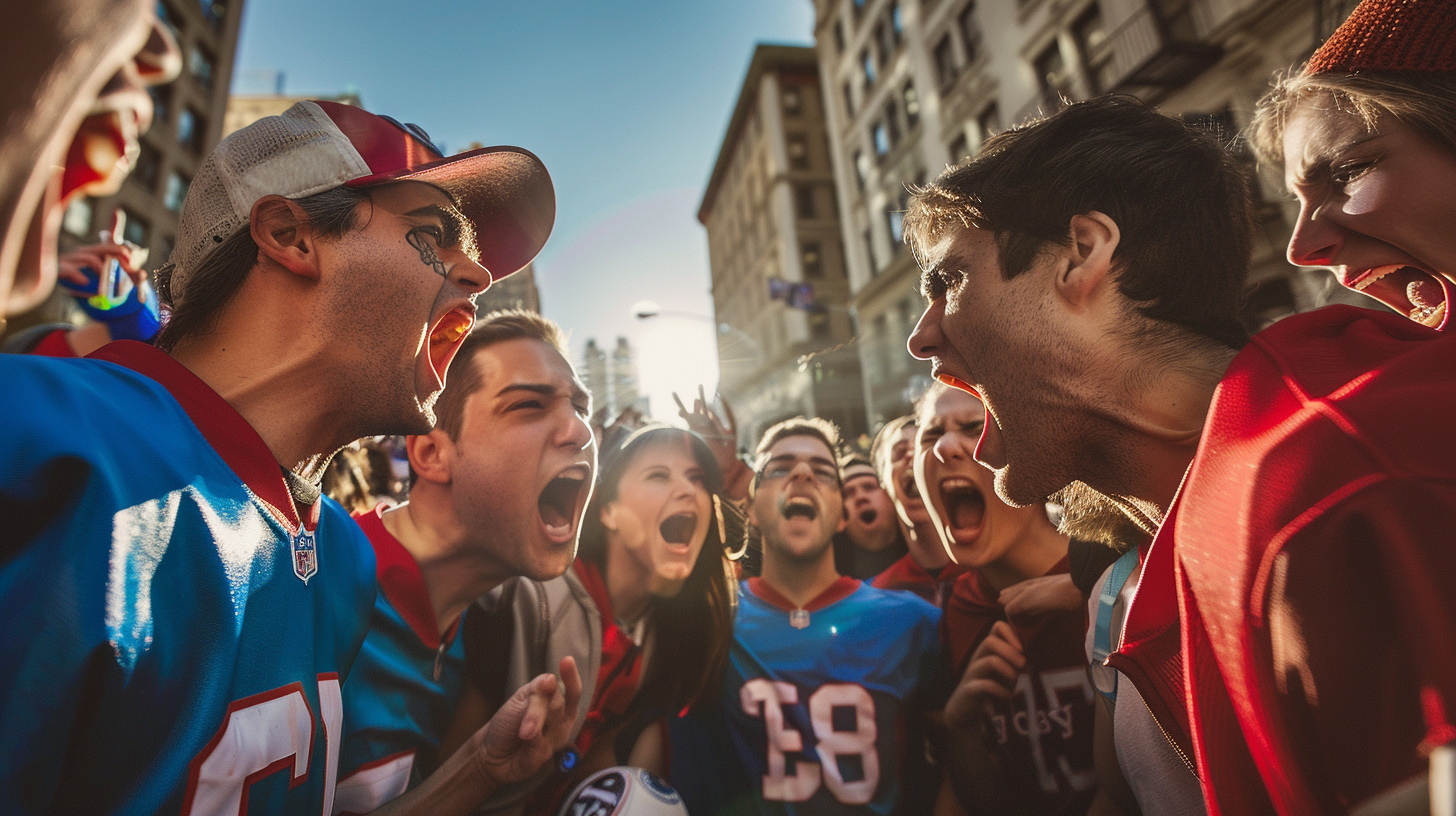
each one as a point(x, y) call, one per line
point(823, 668)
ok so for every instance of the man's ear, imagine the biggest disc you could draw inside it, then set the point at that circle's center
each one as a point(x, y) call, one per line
point(284, 235)
point(608, 516)
point(431, 456)
point(1089, 259)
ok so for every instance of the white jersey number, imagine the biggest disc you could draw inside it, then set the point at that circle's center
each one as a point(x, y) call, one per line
point(260, 736)
point(766, 698)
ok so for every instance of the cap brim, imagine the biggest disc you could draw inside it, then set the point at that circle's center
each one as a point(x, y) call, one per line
point(504, 191)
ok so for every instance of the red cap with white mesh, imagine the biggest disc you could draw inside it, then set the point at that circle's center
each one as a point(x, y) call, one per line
point(316, 146)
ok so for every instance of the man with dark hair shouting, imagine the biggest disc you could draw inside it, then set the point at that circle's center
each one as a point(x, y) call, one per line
point(1290, 633)
point(181, 606)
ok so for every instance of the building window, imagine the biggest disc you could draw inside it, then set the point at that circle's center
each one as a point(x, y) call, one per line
point(214, 11)
point(848, 99)
point(137, 229)
point(958, 149)
point(884, 47)
point(199, 64)
point(862, 168)
point(895, 217)
point(798, 149)
point(1051, 69)
point(892, 122)
point(1090, 34)
point(945, 69)
point(912, 105)
point(804, 199)
point(970, 31)
point(881, 139)
point(189, 129)
point(176, 192)
point(818, 324)
point(793, 101)
point(812, 262)
point(897, 20)
point(148, 165)
point(882, 341)
point(868, 62)
point(869, 245)
point(161, 102)
point(839, 36)
point(77, 219)
point(989, 122)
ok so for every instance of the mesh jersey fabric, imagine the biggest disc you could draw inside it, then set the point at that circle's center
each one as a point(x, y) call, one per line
point(156, 635)
point(811, 717)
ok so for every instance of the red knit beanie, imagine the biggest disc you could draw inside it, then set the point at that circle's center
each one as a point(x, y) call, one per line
point(1391, 35)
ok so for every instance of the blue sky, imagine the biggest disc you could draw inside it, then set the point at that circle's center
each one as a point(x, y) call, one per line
point(625, 102)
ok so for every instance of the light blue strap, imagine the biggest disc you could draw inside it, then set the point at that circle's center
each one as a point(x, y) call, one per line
point(1102, 634)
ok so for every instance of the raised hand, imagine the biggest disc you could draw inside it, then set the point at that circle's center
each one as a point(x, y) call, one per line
point(990, 674)
point(528, 728)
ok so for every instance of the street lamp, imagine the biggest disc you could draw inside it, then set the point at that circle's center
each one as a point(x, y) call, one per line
point(645, 309)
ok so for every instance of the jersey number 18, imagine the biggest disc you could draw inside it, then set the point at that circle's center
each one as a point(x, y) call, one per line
point(766, 698)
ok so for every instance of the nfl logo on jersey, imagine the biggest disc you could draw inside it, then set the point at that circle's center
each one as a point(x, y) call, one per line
point(305, 555)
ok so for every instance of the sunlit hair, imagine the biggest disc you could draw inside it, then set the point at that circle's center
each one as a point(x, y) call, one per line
point(1180, 202)
point(1424, 100)
point(856, 460)
point(465, 376)
point(693, 629)
point(817, 427)
point(885, 442)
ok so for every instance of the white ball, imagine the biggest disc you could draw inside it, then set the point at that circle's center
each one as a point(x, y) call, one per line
point(623, 791)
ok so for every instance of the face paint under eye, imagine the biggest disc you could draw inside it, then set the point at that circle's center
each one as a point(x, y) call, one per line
point(418, 238)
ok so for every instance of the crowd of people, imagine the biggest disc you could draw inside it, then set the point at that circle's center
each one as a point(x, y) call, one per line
point(260, 554)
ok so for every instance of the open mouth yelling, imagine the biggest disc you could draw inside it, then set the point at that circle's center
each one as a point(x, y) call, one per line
point(964, 506)
point(799, 507)
point(562, 500)
point(1413, 292)
point(445, 338)
point(101, 154)
point(677, 530)
point(908, 489)
point(867, 517)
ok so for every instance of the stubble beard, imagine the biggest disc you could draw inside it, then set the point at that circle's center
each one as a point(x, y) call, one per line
point(784, 551)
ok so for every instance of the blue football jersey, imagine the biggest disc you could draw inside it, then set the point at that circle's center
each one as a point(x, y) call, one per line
point(175, 635)
point(812, 702)
point(399, 700)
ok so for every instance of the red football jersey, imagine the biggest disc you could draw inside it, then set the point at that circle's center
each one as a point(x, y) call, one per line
point(1043, 738)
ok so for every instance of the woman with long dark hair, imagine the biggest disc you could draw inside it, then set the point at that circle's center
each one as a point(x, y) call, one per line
point(656, 541)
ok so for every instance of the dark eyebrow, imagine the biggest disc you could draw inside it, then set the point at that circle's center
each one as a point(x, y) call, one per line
point(544, 389)
point(813, 460)
point(458, 229)
point(578, 395)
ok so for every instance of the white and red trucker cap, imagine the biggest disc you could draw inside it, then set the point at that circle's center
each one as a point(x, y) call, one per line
point(316, 146)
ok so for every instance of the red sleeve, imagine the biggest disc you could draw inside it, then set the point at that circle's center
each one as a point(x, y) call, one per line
point(54, 345)
point(1351, 658)
point(966, 622)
